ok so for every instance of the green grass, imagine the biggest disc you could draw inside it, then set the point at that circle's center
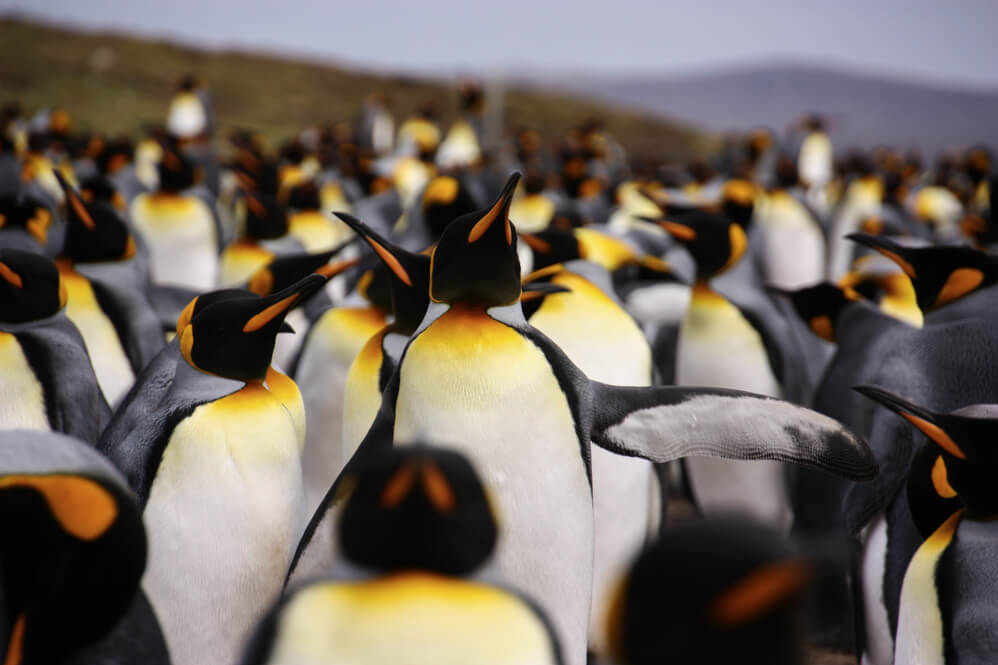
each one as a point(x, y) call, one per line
point(114, 83)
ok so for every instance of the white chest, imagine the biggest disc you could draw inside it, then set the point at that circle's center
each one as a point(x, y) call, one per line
point(22, 400)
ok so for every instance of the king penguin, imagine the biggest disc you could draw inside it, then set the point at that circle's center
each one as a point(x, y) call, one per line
point(416, 527)
point(72, 557)
point(477, 378)
point(218, 461)
point(24, 223)
point(719, 346)
point(47, 382)
point(107, 300)
point(947, 598)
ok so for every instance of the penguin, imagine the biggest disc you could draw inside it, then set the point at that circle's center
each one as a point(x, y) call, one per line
point(415, 529)
point(941, 275)
point(862, 199)
point(180, 229)
point(713, 591)
point(106, 298)
point(945, 612)
point(190, 114)
point(283, 271)
point(218, 461)
point(24, 223)
point(476, 377)
point(409, 276)
point(266, 236)
point(72, 557)
point(315, 231)
point(47, 382)
point(719, 346)
point(590, 325)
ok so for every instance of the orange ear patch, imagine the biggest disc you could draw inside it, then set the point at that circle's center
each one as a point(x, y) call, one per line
point(438, 488)
point(935, 433)
point(759, 592)
point(940, 480)
point(82, 507)
point(266, 316)
point(398, 486)
point(959, 283)
point(11, 276)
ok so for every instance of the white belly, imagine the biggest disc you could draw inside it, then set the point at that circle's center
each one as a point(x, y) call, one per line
point(717, 347)
point(322, 374)
point(182, 241)
point(879, 647)
point(920, 622)
point(22, 399)
point(490, 394)
point(223, 518)
point(794, 245)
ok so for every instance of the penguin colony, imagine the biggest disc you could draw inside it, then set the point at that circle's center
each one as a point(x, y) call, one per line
point(416, 397)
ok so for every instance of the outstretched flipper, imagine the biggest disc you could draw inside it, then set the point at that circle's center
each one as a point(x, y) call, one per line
point(668, 422)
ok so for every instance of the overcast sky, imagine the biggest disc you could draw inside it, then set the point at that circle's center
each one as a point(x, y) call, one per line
point(943, 41)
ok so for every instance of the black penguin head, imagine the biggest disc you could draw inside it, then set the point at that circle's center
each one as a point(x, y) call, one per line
point(94, 231)
point(715, 241)
point(738, 200)
point(940, 274)
point(553, 245)
point(409, 274)
point(199, 303)
point(711, 591)
point(30, 287)
point(965, 439)
point(284, 271)
point(266, 219)
point(418, 508)
point(475, 261)
point(234, 338)
point(21, 211)
point(930, 496)
point(819, 306)
point(73, 549)
point(444, 199)
point(176, 170)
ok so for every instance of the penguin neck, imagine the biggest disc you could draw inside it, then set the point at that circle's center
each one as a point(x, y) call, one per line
point(703, 293)
point(511, 314)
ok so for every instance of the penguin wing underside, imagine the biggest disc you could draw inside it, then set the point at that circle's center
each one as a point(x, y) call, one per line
point(664, 423)
point(74, 403)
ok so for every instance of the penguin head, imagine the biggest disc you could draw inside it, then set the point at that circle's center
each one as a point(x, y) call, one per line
point(31, 287)
point(266, 219)
point(27, 213)
point(965, 440)
point(819, 306)
point(204, 300)
point(417, 507)
point(930, 496)
point(73, 549)
point(940, 274)
point(444, 199)
point(176, 171)
point(374, 284)
point(94, 231)
point(738, 200)
point(283, 271)
point(720, 590)
point(234, 338)
point(409, 274)
point(716, 242)
point(475, 261)
point(552, 246)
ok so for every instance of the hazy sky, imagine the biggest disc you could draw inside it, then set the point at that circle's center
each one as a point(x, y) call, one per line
point(943, 40)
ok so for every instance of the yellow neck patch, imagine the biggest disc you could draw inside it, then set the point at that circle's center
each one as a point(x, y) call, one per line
point(940, 481)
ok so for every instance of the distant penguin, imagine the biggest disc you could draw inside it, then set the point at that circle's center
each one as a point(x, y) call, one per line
point(107, 286)
point(314, 229)
point(219, 461)
point(793, 240)
point(945, 615)
point(265, 236)
point(47, 381)
point(24, 223)
point(479, 379)
point(417, 521)
point(861, 200)
point(179, 228)
point(719, 346)
point(72, 557)
point(712, 592)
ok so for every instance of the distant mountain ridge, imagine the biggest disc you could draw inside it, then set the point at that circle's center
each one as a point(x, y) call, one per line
point(866, 109)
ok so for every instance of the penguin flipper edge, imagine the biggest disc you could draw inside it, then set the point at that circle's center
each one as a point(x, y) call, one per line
point(669, 422)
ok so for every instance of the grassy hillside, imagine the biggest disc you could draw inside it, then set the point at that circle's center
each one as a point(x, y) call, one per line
point(114, 83)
